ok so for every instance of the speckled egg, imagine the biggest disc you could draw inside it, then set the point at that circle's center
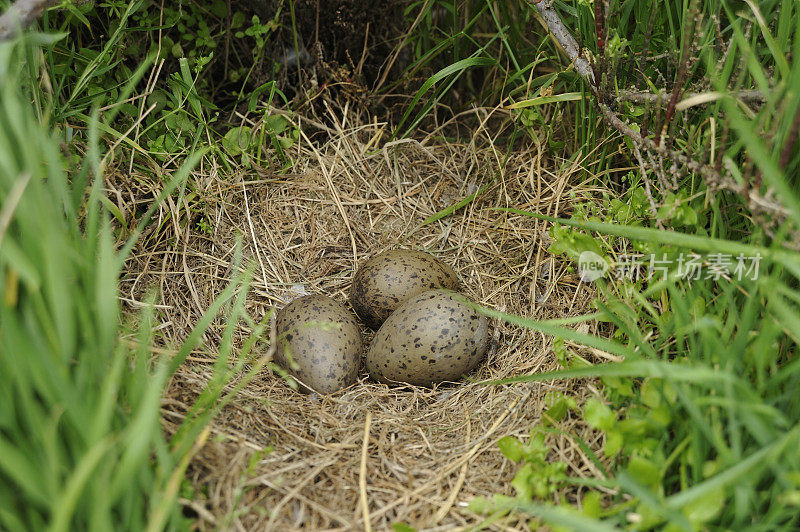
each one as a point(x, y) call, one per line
point(386, 280)
point(435, 336)
point(319, 342)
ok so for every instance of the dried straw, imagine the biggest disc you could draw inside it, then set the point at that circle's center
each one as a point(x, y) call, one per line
point(371, 455)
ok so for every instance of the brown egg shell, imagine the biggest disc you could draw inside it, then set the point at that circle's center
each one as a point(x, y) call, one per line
point(389, 279)
point(323, 339)
point(433, 337)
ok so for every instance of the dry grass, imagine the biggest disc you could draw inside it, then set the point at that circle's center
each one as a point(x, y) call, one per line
point(396, 454)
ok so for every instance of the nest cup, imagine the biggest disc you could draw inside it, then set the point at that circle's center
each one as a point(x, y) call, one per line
point(280, 460)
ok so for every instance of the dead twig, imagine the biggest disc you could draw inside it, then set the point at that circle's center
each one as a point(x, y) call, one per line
point(683, 68)
point(711, 175)
point(566, 40)
point(691, 99)
point(564, 37)
point(713, 178)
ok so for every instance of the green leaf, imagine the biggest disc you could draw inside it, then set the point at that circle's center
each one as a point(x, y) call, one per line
point(511, 448)
point(572, 243)
point(644, 471)
point(456, 68)
point(555, 328)
point(650, 394)
point(237, 140)
point(76, 13)
point(541, 100)
point(558, 405)
point(480, 505)
point(556, 515)
point(599, 415)
point(523, 482)
point(673, 238)
point(275, 124)
point(592, 504)
point(706, 507)
point(755, 462)
point(18, 469)
point(696, 373)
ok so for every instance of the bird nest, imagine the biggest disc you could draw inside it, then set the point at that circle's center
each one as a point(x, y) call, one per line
point(282, 460)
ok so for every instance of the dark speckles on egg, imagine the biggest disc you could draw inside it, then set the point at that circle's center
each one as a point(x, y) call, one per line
point(435, 336)
point(323, 339)
point(387, 280)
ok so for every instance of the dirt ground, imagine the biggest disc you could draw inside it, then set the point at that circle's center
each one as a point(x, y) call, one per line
point(281, 460)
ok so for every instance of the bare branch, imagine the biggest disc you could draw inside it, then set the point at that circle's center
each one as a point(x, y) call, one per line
point(691, 99)
point(683, 68)
point(711, 176)
point(565, 39)
point(20, 15)
point(646, 181)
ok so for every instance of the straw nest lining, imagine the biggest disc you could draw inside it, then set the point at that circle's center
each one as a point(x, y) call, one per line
point(428, 452)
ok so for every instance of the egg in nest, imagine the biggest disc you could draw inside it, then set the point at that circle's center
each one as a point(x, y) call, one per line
point(318, 342)
point(435, 336)
point(387, 280)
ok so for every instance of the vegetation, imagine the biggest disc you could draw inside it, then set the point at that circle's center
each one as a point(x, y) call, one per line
point(81, 445)
point(692, 120)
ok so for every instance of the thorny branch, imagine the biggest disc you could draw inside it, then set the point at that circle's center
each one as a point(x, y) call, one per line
point(20, 15)
point(714, 179)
